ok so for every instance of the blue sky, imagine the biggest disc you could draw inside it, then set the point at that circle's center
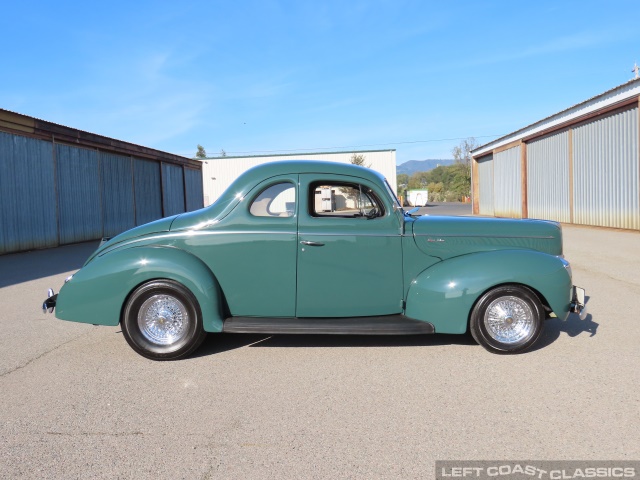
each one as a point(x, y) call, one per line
point(266, 76)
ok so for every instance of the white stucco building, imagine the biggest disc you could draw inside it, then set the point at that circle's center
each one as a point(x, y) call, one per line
point(219, 172)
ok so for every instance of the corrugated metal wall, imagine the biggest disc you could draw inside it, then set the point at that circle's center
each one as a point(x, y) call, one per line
point(55, 194)
point(548, 178)
point(27, 194)
point(485, 184)
point(148, 197)
point(605, 171)
point(117, 194)
point(172, 189)
point(507, 183)
point(193, 184)
point(79, 195)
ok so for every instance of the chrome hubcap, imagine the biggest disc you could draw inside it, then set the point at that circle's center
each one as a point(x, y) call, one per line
point(163, 319)
point(509, 320)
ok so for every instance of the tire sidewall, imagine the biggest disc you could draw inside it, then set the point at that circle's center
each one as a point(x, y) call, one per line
point(479, 330)
point(145, 347)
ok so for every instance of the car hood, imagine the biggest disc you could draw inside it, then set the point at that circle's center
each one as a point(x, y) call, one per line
point(446, 237)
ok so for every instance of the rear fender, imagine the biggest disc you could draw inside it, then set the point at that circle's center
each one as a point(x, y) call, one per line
point(97, 292)
point(445, 293)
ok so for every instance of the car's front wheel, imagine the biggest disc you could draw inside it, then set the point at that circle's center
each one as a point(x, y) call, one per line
point(507, 319)
point(162, 320)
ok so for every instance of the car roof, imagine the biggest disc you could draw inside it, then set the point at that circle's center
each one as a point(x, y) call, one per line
point(271, 169)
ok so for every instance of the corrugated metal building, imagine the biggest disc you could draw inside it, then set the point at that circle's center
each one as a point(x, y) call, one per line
point(59, 185)
point(581, 165)
point(219, 172)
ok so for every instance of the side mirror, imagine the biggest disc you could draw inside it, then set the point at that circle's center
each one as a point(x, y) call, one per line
point(412, 211)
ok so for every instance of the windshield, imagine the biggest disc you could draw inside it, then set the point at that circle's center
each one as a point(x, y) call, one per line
point(393, 195)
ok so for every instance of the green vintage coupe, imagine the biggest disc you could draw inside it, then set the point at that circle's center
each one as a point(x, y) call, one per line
point(319, 247)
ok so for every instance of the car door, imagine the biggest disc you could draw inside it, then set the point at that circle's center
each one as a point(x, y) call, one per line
point(349, 264)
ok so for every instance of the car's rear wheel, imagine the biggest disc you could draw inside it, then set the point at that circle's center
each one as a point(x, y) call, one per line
point(507, 319)
point(162, 320)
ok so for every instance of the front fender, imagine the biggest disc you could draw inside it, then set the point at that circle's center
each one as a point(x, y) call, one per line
point(97, 292)
point(445, 293)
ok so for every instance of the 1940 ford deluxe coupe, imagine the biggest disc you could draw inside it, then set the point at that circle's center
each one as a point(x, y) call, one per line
point(320, 247)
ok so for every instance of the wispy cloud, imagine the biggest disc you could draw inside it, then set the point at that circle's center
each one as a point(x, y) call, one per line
point(142, 100)
point(554, 46)
point(513, 52)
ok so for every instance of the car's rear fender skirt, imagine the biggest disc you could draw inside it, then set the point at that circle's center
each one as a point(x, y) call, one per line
point(445, 293)
point(96, 294)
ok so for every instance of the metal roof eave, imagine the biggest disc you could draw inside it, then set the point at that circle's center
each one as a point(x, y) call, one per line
point(18, 123)
point(616, 95)
point(298, 154)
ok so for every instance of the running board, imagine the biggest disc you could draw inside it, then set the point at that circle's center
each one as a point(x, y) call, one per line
point(385, 325)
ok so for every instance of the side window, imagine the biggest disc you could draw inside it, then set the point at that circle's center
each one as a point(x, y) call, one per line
point(278, 200)
point(346, 200)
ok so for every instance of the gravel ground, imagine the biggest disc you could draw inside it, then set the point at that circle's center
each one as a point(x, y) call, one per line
point(77, 402)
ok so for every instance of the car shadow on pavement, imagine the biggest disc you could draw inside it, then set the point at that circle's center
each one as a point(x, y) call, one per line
point(218, 343)
point(26, 266)
point(572, 326)
point(223, 342)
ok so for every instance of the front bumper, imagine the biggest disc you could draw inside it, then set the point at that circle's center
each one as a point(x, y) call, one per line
point(578, 302)
point(50, 303)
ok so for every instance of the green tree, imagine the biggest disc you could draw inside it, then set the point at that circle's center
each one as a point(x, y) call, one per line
point(358, 159)
point(402, 180)
point(462, 152)
point(418, 181)
point(201, 153)
point(436, 191)
point(445, 183)
point(461, 184)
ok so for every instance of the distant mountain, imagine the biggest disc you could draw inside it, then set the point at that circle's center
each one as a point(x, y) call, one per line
point(413, 166)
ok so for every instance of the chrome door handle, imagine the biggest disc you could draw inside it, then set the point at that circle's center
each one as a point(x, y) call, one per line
point(312, 244)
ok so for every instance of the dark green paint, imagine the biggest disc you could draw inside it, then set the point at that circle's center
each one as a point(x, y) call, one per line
point(445, 293)
point(358, 270)
point(97, 292)
point(256, 266)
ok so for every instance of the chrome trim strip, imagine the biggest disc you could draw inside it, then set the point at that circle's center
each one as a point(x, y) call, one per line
point(182, 234)
point(237, 232)
point(480, 236)
point(191, 233)
point(355, 234)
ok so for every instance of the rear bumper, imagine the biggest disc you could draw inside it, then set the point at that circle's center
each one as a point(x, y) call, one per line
point(578, 302)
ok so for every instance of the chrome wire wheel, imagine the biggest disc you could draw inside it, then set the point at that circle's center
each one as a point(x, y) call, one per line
point(509, 320)
point(163, 319)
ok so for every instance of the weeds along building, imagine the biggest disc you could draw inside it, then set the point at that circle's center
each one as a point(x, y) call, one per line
point(60, 185)
point(579, 166)
point(219, 172)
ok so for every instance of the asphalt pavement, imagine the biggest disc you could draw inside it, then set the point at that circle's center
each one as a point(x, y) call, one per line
point(445, 208)
point(77, 402)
